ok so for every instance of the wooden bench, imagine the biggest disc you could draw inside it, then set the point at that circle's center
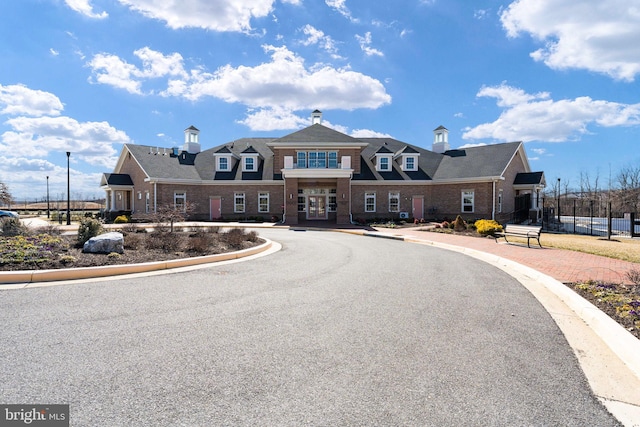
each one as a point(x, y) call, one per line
point(525, 231)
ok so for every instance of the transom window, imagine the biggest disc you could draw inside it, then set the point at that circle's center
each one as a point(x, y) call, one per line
point(468, 201)
point(317, 159)
point(238, 202)
point(394, 202)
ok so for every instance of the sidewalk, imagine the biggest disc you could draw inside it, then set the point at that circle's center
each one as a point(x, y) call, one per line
point(563, 265)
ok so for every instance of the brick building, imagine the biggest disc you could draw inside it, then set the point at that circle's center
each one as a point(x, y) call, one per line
point(319, 174)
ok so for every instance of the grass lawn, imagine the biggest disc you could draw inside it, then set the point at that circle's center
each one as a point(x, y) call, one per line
point(622, 248)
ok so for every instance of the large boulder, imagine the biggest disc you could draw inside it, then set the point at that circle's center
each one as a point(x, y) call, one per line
point(105, 243)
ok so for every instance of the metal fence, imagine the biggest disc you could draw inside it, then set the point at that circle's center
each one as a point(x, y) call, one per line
point(591, 217)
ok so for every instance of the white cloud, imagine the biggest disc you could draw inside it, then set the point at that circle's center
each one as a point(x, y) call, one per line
point(368, 133)
point(36, 131)
point(270, 119)
point(580, 34)
point(315, 36)
point(365, 45)
point(217, 15)
point(19, 99)
point(53, 52)
point(111, 70)
point(341, 7)
point(84, 7)
point(282, 84)
point(527, 117)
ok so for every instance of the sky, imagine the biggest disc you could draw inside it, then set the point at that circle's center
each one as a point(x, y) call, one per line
point(87, 76)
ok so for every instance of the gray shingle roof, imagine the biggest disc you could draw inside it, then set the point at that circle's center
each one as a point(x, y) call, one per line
point(473, 162)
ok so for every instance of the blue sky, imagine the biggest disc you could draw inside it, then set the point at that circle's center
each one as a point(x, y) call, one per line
point(87, 76)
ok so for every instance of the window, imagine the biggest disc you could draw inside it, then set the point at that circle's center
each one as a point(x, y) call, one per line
point(369, 202)
point(333, 200)
point(322, 159)
point(249, 164)
point(313, 159)
point(410, 163)
point(223, 164)
point(302, 204)
point(383, 163)
point(500, 201)
point(394, 202)
point(263, 202)
point(468, 201)
point(180, 201)
point(302, 159)
point(238, 202)
point(147, 201)
point(333, 159)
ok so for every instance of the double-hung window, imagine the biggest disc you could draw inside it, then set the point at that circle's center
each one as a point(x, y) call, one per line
point(238, 202)
point(394, 202)
point(249, 164)
point(223, 164)
point(410, 163)
point(383, 163)
point(263, 202)
point(370, 202)
point(333, 159)
point(180, 201)
point(468, 201)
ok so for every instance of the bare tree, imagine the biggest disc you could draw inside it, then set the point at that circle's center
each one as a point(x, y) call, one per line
point(5, 195)
point(169, 214)
point(628, 180)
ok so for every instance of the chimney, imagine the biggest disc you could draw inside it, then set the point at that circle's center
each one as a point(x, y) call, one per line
point(316, 117)
point(191, 140)
point(440, 140)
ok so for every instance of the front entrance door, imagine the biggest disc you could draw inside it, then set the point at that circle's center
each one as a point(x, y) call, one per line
point(216, 208)
point(317, 207)
point(418, 207)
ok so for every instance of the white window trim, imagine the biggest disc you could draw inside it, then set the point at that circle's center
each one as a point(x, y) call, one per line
point(379, 158)
point(235, 204)
point(263, 195)
point(255, 164)
point(180, 195)
point(394, 195)
point(473, 201)
point(500, 197)
point(415, 163)
point(372, 195)
point(219, 167)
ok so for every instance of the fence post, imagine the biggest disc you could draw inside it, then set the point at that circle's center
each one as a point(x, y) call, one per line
point(609, 222)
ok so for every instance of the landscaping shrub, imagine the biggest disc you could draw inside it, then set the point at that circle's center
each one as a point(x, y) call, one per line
point(167, 241)
point(200, 243)
point(133, 241)
point(121, 219)
point(234, 238)
point(459, 224)
point(13, 227)
point(488, 227)
point(634, 276)
point(87, 229)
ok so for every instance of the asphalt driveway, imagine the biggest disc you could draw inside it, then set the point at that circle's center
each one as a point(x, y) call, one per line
point(334, 329)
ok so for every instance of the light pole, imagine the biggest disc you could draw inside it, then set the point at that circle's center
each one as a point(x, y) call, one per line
point(558, 200)
point(48, 210)
point(68, 192)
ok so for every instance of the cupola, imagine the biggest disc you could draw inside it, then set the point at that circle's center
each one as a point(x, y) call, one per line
point(191, 140)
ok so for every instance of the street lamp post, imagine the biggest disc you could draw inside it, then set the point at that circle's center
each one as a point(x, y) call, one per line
point(68, 192)
point(559, 201)
point(48, 209)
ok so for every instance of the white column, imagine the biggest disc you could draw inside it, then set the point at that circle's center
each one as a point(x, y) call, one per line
point(113, 201)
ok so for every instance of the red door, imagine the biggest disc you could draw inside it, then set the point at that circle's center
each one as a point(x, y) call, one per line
point(418, 207)
point(216, 208)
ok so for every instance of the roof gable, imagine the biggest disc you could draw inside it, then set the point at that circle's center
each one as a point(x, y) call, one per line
point(316, 133)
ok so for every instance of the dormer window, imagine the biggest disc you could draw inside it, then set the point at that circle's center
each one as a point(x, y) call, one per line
point(410, 163)
point(249, 164)
point(383, 162)
point(224, 164)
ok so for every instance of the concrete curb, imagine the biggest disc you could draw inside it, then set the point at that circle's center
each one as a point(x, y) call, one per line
point(33, 276)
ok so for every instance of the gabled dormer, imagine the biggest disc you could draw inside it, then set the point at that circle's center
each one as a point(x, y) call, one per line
point(408, 159)
point(384, 159)
point(224, 159)
point(250, 159)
